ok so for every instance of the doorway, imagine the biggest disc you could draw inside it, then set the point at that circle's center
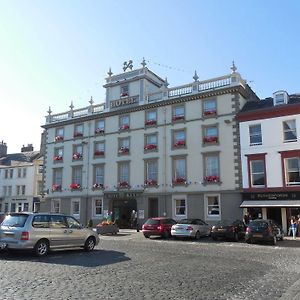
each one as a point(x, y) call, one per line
point(122, 212)
point(152, 207)
point(274, 213)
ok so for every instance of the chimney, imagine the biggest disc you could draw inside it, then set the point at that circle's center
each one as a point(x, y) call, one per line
point(28, 148)
point(3, 149)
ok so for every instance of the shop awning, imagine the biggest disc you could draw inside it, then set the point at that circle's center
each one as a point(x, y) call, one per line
point(271, 203)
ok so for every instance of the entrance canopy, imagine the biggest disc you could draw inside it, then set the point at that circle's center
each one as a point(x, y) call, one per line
point(271, 203)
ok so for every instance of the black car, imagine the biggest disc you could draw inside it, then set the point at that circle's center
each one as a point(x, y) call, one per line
point(228, 229)
point(264, 231)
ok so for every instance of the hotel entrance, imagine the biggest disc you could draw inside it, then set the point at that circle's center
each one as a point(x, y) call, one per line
point(123, 212)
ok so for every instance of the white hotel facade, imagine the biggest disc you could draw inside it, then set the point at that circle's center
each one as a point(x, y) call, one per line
point(157, 150)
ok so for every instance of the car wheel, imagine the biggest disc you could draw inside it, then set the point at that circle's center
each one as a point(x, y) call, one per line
point(146, 236)
point(89, 244)
point(197, 235)
point(274, 241)
point(236, 237)
point(41, 248)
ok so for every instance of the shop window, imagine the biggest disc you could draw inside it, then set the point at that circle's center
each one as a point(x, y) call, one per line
point(55, 205)
point(180, 207)
point(75, 208)
point(213, 207)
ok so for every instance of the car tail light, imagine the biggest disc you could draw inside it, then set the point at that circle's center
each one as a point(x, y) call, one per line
point(248, 229)
point(159, 227)
point(25, 236)
point(189, 228)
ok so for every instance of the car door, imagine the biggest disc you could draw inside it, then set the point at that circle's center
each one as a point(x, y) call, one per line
point(77, 234)
point(59, 232)
point(203, 227)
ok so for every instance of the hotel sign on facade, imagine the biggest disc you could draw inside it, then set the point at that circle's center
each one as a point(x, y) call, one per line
point(123, 102)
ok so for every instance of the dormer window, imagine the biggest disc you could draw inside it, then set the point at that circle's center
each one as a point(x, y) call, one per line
point(280, 98)
point(124, 91)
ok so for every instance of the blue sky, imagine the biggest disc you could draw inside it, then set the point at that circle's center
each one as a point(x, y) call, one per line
point(55, 52)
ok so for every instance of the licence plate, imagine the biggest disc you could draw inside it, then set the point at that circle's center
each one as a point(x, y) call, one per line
point(221, 230)
point(257, 235)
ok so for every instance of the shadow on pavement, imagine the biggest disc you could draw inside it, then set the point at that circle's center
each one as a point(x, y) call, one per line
point(79, 258)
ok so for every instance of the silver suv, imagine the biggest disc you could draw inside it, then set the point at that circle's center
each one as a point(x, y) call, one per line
point(42, 232)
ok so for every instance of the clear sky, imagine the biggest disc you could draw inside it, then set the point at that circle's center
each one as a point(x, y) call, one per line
point(54, 52)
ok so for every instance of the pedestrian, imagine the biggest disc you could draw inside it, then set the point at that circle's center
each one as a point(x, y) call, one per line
point(247, 218)
point(294, 225)
point(298, 227)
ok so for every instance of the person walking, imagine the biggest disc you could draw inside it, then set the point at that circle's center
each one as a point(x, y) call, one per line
point(294, 225)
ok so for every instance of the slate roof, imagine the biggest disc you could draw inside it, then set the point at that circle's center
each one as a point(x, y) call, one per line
point(267, 103)
point(19, 157)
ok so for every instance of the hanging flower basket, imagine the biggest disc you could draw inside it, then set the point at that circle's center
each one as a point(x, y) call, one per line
point(56, 187)
point(150, 147)
point(99, 131)
point(77, 155)
point(123, 150)
point(75, 186)
point(124, 127)
point(150, 122)
point(59, 138)
point(180, 143)
point(57, 158)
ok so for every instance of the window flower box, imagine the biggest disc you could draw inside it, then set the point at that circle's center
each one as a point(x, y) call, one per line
point(77, 155)
point(123, 150)
point(150, 182)
point(56, 187)
point(98, 186)
point(124, 94)
point(150, 122)
point(177, 118)
point(179, 180)
point(99, 131)
point(210, 139)
point(58, 158)
point(75, 186)
point(124, 184)
point(180, 143)
point(124, 127)
point(78, 134)
point(210, 112)
point(211, 179)
point(150, 147)
point(59, 138)
point(99, 153)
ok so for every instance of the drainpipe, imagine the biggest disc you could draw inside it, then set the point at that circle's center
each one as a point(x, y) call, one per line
point(165, 160)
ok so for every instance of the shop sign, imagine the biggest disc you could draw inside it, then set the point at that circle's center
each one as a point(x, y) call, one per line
point(272, 196)
point(121, 195)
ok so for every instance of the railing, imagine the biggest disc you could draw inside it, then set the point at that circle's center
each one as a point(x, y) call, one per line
point(163, 94)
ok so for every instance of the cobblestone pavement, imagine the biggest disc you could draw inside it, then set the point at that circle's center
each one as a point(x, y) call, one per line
point(128, 266)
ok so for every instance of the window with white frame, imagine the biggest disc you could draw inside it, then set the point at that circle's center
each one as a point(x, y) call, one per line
point(123, 172)
point(78, 130)
point(180, 207)
point(20, 190)
point(59, 134)
point(57, 177)
point(150, 142)
point(210, 134)
point(55, 205)
point(213, 207)
point(179, 169)
point(124, 146)
point(99, 148)
point(257, 170)
point(99, 126)
point(124, 90)
point(211, 168)
point(77, 175)
point(151, 117)
point(209, 107)
point(178, 113)
point(124, 122)
point(97, 207)
point(77, 151)
point(75, 209)
point(255, 134)
point(99, 174)
point(151, 167)
point(289, 131)
point(292, 171)
point(179, 138)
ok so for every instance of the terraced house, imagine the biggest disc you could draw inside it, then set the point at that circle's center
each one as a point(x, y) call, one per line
point(149, 149)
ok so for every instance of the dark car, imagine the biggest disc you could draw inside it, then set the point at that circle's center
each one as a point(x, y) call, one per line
point(264, 231)
point(228, 229)
point(159, 226)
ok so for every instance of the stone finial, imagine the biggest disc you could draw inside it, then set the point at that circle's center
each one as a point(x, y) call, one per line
point(195, 77)
point(49, 111)
point(143, 63)
point(166, 82)
point(91, 101)
point(233, 68)
point(71, 106)
point(109, 73)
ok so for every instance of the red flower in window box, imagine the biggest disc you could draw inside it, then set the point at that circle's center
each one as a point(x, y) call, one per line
point(150, 147)
point(124, 94)
point(180, 143)
point(150, 122)
point(179, 180)
point(98, 186)
point(150, 182)
point(210, 112)
point(99, 131)
point(212, 179)
point(123, 184)
point(210, 139)
point(75, 186)
point(56, 187)
point(123, 150)
point(78, 134)
point(59, 138)
point(177, 118)
point(57, 157)
point(99, 153)
point(124, 127)
point(77, 155)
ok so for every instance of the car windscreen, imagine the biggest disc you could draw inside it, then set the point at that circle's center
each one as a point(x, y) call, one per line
point(224, 223)
point(15, 220)
point(258, 224)
point(152, 222)
point(186, 221)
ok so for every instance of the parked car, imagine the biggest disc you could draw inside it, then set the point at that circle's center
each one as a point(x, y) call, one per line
point(264, 231)
point(42, 232)
point(193, 228)
point(228, 229)
point(159, 226)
